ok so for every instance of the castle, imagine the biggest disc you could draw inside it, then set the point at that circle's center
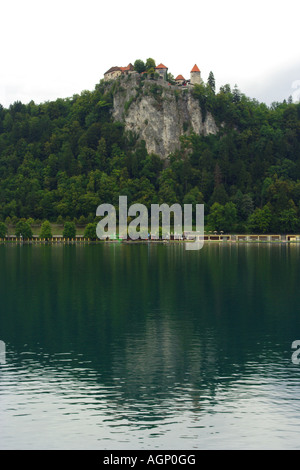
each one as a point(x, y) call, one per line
point(195, 78)
point(115, 72)
point(161, 70)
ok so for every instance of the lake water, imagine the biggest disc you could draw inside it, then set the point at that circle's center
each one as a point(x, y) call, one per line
point(144, 346)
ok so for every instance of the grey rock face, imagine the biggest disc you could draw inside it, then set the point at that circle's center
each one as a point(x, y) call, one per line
point(159, 113)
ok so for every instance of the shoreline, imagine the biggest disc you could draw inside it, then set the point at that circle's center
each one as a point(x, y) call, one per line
point(80, 239)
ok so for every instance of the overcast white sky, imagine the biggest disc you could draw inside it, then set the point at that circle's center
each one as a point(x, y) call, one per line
point(57, 48)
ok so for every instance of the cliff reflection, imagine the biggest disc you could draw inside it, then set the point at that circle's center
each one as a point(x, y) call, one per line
point(153, 322)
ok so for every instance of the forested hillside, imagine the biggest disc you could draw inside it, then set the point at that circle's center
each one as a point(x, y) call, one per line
point(62, 159)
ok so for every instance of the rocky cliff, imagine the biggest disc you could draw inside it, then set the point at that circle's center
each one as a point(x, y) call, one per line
point(158, 113)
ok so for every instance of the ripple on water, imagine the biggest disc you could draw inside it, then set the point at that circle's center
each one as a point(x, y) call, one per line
point(63, 401)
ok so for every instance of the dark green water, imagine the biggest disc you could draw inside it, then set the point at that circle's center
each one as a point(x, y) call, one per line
point(149, 346)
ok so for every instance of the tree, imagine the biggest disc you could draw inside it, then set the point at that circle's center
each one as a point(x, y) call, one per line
point(279, 194)
point(46, 230)
point(82, 221)
point(288, 220)
point(67, 160)
point(230, 217)
point(3, 230)
point(150, 64)
point(167, 187)
point(260, 220)
point(244, 205)
point(60, 220)
point(218, 175)
point(215, 217)
point(219, 195)
point(69, 230)
point(23, 229)
point(226, 89)
point(152, 167)
point(194, 196)
point(139, 66)
point(171, 78)
point(223, 217)
point(236, 94)
point(63, 158)
point(90, 231)
point(247, 206)
point(101, 155)
point(211, 82)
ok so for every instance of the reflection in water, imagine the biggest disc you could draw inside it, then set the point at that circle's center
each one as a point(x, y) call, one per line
point(143, 346)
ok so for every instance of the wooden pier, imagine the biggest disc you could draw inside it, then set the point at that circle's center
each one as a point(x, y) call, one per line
point(187, 237)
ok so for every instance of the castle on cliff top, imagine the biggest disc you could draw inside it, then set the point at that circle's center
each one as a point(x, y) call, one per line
point(161, 70)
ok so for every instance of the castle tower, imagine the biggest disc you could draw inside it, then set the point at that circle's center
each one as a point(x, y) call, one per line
point(162, 70)
point(196, 76)
point(179, 80)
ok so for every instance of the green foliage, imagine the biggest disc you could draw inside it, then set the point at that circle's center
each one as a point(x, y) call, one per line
point(128, 103)
point(219, 195)
point(150, 64)
point(59, 160)
point(82, 221)
point(171, 79)
point(244, 205)
point(3, 230)
point(260, 220)
point(223, 217)
point(156, 90)
point(90, 231)
point(288, 221)
point(46, 231)
point(211, 82)
point(204, 94)
point(194, 196)
point(69, 230)
point(23, 229)
point(149, 67)
point(139, 66)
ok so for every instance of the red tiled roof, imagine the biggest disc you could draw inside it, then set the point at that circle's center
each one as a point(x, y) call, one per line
point(161, 66)
point(129, 67)
point(112, 69)
point(179, 77)
point(123, 69)
point(195, 69)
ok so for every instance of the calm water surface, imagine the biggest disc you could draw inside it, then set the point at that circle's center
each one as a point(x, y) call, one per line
point(149, 347)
